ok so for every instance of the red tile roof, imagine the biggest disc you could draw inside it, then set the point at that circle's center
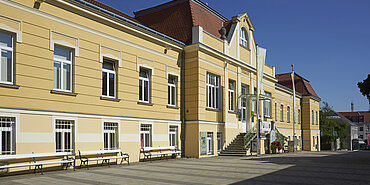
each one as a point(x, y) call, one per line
point(366, 115)
point(301, 84)
point(176, 19)
point(111, 9)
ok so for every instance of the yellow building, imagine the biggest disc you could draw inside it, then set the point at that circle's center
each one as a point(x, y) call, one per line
point(80, 75)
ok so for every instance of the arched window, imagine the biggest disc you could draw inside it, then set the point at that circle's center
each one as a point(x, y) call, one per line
point(244, 37)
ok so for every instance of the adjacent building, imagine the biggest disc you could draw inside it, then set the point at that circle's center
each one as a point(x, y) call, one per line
point(81, 75)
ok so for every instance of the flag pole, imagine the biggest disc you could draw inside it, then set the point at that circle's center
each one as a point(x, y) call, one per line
point(294, 136)
point(257, 104)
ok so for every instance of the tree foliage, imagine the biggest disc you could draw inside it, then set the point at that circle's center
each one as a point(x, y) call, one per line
point(365, 87)
point(328, 125)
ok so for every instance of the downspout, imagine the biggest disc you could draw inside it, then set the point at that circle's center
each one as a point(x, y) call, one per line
point(182, 106)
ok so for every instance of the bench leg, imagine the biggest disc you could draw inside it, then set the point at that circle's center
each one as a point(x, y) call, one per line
point(87, 164)
point(128, 160)
point(109, 163)
point(74, 165)
point(42, 173)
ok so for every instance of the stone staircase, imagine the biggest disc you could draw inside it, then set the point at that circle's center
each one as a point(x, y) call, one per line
point(236, 147)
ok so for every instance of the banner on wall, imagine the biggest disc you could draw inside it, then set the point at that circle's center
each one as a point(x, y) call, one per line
point(203, 143)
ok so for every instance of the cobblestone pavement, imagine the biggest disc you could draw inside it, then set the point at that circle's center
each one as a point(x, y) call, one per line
point(300, 168)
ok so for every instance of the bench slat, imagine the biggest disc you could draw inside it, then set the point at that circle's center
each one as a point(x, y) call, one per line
point(25, 156)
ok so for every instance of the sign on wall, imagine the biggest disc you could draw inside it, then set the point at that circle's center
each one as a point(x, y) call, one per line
point(203, 143)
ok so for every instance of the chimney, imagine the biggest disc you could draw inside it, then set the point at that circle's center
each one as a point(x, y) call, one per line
point(351, 106)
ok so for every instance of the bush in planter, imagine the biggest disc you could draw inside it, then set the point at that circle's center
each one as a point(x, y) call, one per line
point(276, 145)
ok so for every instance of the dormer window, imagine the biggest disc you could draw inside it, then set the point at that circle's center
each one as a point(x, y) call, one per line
point(244, 37)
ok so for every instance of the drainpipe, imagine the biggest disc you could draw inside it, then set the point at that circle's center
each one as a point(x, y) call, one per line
point(182, 106)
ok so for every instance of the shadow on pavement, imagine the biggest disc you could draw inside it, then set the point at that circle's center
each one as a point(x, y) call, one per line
point(343, 168)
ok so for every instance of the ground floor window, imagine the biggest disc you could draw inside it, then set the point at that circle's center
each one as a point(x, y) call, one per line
point(110, 136)
point(219, 141)
point(173, 133)
point(209, 143)
point(7, 139)
point(64, 135)
point(313, 141)
point(146, 135)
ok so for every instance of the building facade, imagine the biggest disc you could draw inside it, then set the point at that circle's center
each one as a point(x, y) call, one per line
point(80, 75)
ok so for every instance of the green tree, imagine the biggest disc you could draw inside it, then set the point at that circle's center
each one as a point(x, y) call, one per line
point(365, 88)
point(328, 125)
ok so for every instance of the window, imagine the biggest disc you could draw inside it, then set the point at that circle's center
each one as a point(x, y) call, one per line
point(367, 128)
point(213, 93)
point(219, 141)
point(64, 135)
point(299, 141)
point(267, 106)
point(173, 133)
point(299, 116)
point(110, 136)
point(144, 85)
point(7, 136)
point(313, 141)
point(281, 113)
point(109, 78)
point(313, 121)
point(244, 91)
point(62, 68)
point(361, 136)
point(209, 143)
point(288, 114)
point(6, 63)
point(317, 118)
point(244, 37)
point(275, 111)
point(172, 90)
point(231, 95)
point(361, 128)
point(146, 135)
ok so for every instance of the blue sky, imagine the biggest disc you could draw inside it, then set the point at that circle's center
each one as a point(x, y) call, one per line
point(328, 41)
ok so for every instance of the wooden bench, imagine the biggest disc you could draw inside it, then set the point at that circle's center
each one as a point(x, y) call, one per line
point(36, 160)
point(159, 151)
point(102, 155)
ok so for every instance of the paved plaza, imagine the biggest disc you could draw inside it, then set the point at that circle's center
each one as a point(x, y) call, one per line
point(300, 168)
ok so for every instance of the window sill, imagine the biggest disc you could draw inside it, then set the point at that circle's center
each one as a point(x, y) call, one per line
point(232, 112)
point(63, 93)
point(110, 98)
point(144, 103)
point(173, 107)
point(212, 109)
point(11, 86)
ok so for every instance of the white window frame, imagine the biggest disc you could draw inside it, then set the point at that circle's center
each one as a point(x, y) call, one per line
point(145, 79)
point(11, 50)
point(108, 71)
point(210, 144)
point(110, 128)
point(62, 61)
point(219, 142)
point(282, 112)
point(267, 106)
point(288, 114)
point(213, 98)
point(172, 91)
point(4, 121)
point(244, 37)
point(146, 131)
point(232, 95)
point(243, 105)
point(173, 131)
point(63, 131)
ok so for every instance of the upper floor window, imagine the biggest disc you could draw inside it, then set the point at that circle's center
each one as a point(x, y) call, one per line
point(299, 116)
point(109, 78)
point(213, 92)
point(275, 111)
point(288, 114)
point(172, 90)
point(6, 65)
point(313, 119)
point(63, 58)
point(244, 37)
point(317, 118)
point(144, 85)
point(281, 112)
point(231, 95)
point(267, 105)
